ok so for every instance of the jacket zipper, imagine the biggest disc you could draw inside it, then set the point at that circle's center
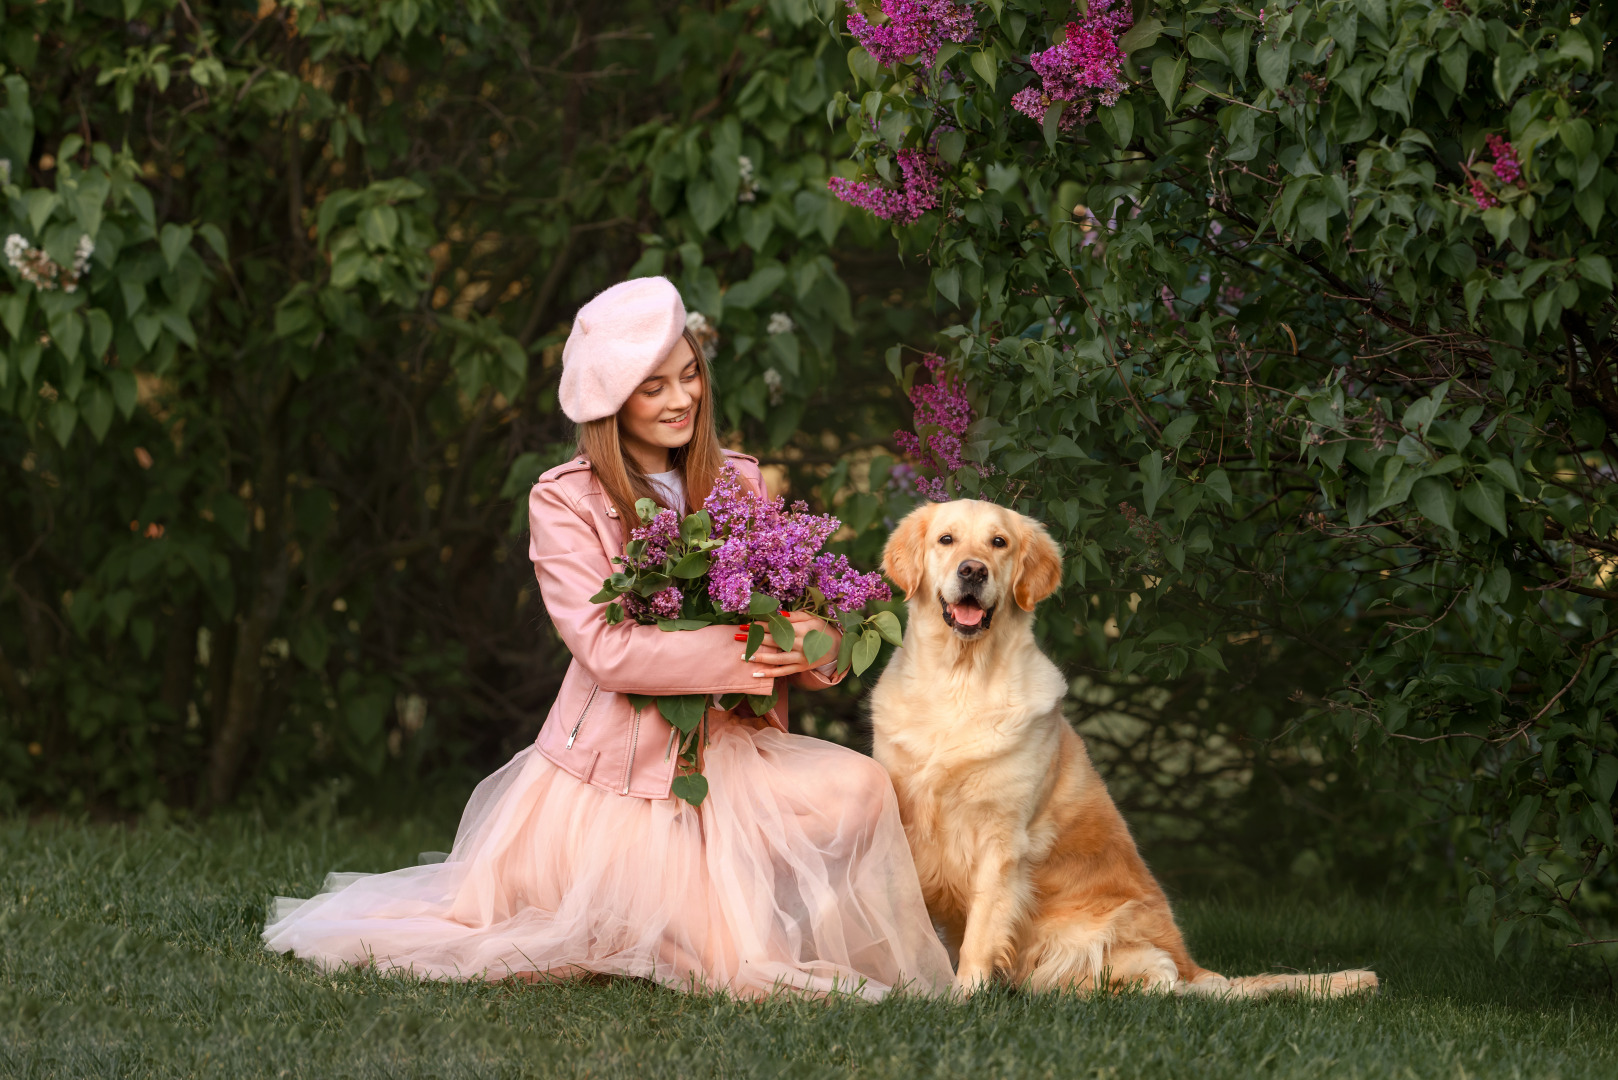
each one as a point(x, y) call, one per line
point(634, 737)
point(577, 724)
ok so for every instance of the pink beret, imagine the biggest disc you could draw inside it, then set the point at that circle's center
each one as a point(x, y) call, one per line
point(618, 340)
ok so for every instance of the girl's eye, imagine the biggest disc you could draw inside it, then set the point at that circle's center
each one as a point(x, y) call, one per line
point(999, 541)
point(946, 539)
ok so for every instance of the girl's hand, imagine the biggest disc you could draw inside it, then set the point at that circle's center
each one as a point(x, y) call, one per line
point(775, 664)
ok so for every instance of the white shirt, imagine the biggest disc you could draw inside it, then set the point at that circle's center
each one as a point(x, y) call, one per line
point(671, 486)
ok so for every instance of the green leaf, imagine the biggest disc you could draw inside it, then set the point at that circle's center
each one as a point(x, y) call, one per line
point(1511, 66)
point(983, 63)
point(1167, 75)
point(1179, 430)
point(762, 703)
point(886, 623)
point(1603, 778)
point(1274, 63)
point(762, 604)
point(62, 417)
point(1435, 498)
point(1143, 35)
point(1051, 126)
point(951, 145)
point(96, 408)
point(690, 787)
point(174, 240)
point(816, 644)
point(692, 565)
point(1596, 270)
point(311, 644)
point(684, 711)
point(755, 638)
point(1488, 502)
point(865, 650)
point(782, 631)
point(378, 226)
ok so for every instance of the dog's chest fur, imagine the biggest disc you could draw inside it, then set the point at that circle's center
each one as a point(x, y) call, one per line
point(973, 753)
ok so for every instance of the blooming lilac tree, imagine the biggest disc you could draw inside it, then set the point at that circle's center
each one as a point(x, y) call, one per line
point(1295, 324)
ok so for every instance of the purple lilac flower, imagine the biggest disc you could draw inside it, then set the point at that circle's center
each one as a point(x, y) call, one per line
point(1085, 68)
point(905, 204)
point(769, 549)
point(913, 28)
point(1481, 194)
point(941, 405)
point(943, 413)
point(659, 534)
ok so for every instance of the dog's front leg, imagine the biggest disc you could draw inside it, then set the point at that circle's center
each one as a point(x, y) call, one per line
point(999, 899)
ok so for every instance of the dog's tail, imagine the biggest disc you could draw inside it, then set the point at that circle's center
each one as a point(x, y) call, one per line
point(1333, 984)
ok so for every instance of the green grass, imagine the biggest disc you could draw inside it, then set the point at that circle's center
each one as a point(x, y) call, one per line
point(134, 953)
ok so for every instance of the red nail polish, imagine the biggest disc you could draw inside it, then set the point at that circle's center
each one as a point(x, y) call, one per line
point(740, 637)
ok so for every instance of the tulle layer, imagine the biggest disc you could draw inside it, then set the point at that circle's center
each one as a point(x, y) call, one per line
point(794, 873)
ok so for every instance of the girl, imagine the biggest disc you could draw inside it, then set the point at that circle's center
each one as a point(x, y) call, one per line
point(573, 858)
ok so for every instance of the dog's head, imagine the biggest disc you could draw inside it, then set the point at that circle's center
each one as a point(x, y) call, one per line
point(970, 558)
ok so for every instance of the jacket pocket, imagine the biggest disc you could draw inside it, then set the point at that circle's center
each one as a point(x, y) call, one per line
point(583, 714)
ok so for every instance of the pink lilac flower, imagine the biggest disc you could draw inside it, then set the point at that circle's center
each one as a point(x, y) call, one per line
point(769, 549)
point(943, 415)
point(905, 204)
point(1085, 68)
point(1480, 194)
point(914, 28)
point(1507, 169)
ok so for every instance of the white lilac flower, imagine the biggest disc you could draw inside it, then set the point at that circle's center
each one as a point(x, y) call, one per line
point(749, 186)
point(41, 271)
point(698, 326)
point(772, 383)
point(780, 323)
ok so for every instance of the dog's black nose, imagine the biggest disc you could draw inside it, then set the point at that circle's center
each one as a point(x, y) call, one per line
point(972, 572)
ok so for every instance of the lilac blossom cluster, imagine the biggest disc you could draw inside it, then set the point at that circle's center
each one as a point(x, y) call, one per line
point(1507, 170)
point(770, 549)
point(913, 28)
point(659, 534)
point(905, 204)
point(943, 414)
point(1085, 68)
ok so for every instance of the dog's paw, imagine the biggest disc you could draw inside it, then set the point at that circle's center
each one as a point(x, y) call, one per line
point(969, 982)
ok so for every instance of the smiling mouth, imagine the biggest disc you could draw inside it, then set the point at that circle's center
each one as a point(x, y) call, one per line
point(678, 421)
point(966, 616)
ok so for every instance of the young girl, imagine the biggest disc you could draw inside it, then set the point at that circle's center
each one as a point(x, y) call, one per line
point(573, 858)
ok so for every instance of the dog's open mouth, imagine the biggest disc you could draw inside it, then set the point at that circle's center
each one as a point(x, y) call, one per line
point(966, 616)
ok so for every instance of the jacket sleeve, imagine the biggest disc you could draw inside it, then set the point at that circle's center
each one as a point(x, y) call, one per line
point(571, 563)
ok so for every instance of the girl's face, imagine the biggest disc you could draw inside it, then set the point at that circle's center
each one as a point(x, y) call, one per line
point(661, 414)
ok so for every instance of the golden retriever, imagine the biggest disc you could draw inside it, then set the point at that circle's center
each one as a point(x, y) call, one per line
point(1025, 862)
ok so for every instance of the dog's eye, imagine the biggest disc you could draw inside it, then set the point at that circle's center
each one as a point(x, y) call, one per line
point(946, 539)
point(999, 541)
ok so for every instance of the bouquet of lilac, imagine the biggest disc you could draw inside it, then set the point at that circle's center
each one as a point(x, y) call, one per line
point(742, 558)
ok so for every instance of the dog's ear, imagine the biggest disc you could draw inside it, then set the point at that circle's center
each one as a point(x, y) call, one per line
point(902, 558)
point(1039, 570)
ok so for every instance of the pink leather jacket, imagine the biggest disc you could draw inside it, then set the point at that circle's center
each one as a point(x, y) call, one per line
point(592, 731)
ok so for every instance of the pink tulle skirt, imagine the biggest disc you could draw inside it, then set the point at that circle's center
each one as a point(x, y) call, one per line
point(793, 874)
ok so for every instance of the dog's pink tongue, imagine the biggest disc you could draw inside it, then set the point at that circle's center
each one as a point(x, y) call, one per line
point(966, 615)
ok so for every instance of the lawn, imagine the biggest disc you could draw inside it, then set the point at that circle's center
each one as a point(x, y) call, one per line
point(133, 952)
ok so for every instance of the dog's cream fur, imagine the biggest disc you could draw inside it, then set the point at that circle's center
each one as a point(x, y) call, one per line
point(1025, 862)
